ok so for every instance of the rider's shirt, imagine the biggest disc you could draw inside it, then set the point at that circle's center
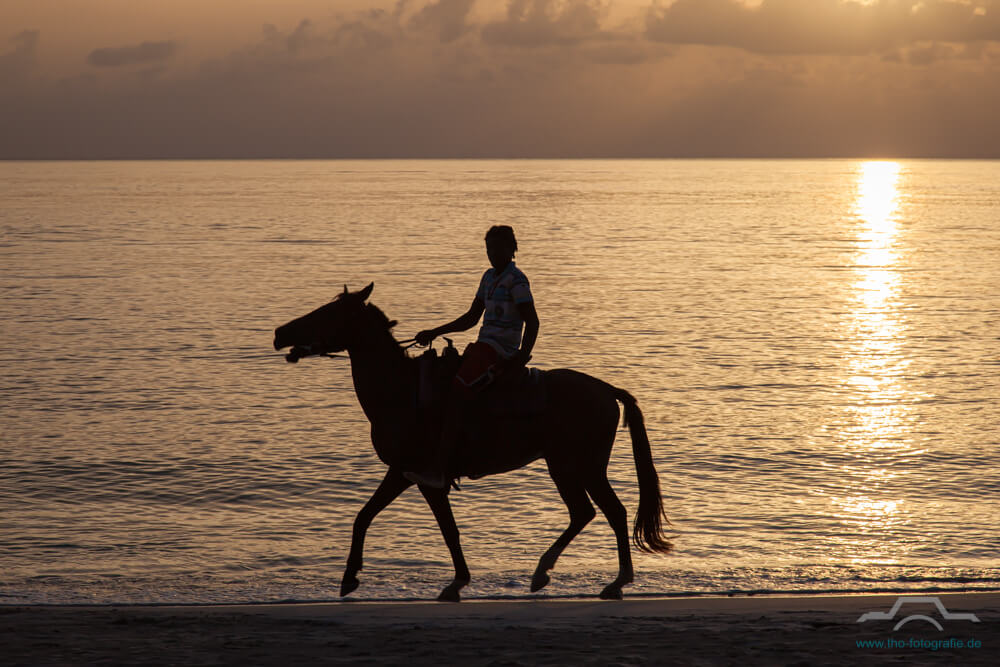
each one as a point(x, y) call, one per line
point(502, 323)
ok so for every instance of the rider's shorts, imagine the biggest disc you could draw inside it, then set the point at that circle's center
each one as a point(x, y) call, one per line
point(478, 366)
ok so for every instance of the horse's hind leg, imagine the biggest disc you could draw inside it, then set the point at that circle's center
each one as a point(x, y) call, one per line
point(580, 513)
point(606, 498)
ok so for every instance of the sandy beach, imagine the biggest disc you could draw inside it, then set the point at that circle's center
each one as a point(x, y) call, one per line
point(807, 630)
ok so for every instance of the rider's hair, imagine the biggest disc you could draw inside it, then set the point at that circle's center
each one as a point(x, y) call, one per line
point(505, 232)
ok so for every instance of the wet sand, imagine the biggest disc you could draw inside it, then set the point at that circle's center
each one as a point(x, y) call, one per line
point(806, 630)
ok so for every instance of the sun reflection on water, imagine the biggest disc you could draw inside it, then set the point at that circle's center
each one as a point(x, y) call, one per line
point(876, 327)
point(875, 427)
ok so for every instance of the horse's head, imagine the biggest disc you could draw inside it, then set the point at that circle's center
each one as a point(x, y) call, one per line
point(329, 328)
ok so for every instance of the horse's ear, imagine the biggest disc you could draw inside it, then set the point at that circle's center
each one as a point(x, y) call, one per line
point(366, 292)
point(345, 288)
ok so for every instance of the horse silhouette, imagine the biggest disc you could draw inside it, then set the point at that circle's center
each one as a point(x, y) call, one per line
point(574, 434)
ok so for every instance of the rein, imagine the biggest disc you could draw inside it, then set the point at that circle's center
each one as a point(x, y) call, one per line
point(301, 351)
point(411, 341)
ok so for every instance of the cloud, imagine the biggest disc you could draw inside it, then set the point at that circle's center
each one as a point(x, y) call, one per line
point(621, 52)
point(533, 23)
point(372, 34)
point(929, 54)
point(145, 53)
point(823, 26)
point(300, 37)
point(313, 47)
point(21, 58)
point(546, 78)
point(446, 17)
point(301, 41)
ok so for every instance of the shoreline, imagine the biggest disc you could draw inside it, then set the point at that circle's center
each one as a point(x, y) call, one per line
point(751, 629)
point(11, 601)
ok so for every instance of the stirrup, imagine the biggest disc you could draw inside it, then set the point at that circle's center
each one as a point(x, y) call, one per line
point(454, 484)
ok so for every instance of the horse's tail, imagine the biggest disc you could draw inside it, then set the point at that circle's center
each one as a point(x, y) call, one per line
point(647, 533)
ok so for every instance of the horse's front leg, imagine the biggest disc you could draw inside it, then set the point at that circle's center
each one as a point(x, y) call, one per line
point(392, 485)
point(438, 501)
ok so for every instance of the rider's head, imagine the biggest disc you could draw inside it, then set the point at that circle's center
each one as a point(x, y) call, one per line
point(500, 245)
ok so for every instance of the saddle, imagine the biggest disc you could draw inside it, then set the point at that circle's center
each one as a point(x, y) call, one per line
point(520, 393)
point(509, 397)
point(515, 394)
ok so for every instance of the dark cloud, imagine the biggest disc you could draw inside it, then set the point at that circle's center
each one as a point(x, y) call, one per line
point(366, 35)
point(547, 80)
point(929, 54)
point(21, 58)
point(534, 23)
point(142, 54)
point(309, 47)
point(300, 37)
point(823, 26)
point(973, 51)
point(622, 52)
point(447, 18)
point(300, 41)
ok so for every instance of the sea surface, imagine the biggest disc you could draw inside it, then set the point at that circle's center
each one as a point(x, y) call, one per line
point(815, 346)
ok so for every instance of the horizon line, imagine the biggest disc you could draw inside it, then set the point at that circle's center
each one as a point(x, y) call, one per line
point(492, 158)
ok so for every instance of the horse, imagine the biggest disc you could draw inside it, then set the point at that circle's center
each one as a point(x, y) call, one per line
point(574, 434)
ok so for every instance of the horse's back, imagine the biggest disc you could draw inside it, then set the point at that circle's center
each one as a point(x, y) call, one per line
point(581, 404)
point(579, 422)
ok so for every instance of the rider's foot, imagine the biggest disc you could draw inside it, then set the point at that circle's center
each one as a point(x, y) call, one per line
point(434, 479)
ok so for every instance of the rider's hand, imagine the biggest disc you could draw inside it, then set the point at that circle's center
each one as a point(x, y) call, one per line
point(518, 361)
point(425, 337)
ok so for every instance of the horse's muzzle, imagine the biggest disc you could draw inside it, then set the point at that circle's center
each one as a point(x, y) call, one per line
point(298, 352)
point(280, 340)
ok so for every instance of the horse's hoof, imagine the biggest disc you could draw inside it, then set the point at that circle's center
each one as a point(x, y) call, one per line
point(348, 585)
point(612, 592)
point(450, 594)
point(539, 581)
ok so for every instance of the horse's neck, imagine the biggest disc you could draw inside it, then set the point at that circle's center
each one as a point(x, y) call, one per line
point(380, 375)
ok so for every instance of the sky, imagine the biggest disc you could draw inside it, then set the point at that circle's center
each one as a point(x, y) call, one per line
point(93, 79)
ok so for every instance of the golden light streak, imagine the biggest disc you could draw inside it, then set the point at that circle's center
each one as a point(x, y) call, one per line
point(879, 406)
point(876, 324)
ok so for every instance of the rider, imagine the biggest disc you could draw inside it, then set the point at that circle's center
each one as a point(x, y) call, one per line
point(505, 297)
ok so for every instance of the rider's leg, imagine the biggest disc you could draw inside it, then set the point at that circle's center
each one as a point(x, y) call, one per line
point(477, 368)
point(437, 475)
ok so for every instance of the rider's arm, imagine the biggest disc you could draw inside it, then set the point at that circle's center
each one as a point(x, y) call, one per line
point(530, 317)
point(466, 321)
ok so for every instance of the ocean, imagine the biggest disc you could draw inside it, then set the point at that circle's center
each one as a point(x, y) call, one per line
point(814, 345)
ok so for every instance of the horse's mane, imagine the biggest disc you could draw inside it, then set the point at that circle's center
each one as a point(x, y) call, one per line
point(380, 318)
